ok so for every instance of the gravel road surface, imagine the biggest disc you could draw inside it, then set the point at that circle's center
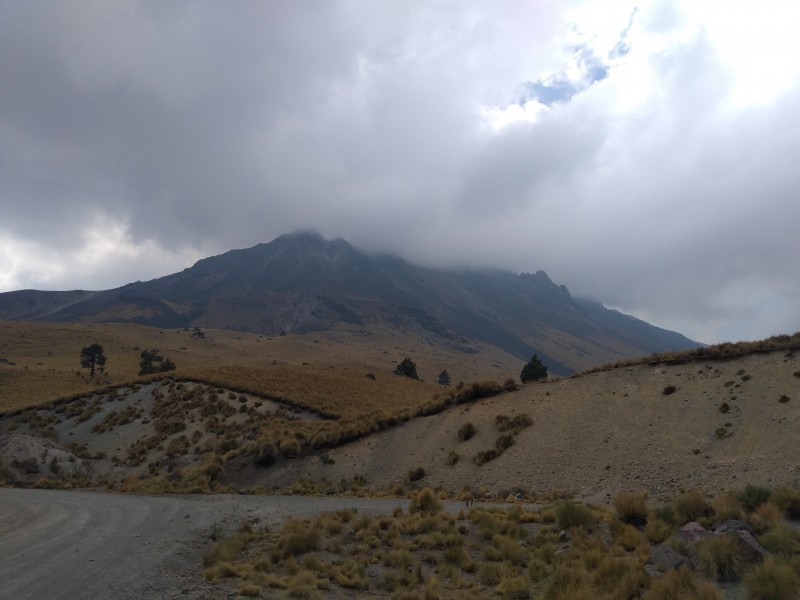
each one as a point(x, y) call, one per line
point(75, 545)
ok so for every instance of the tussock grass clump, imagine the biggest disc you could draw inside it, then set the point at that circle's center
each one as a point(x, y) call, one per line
point(485, 456)
point(631, 508)
point(782, 541)
point(754, 496)
point(573, 514)
point(682, 585)
point(691, 506)
point(787, 499)
point(721, 557)
point(773, 580)
point(426, 502)
point(466, 431)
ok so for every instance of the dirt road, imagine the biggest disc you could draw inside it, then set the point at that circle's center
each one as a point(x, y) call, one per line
point(88, 545)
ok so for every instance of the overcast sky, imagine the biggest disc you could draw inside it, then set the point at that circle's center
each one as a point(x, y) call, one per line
point(644, 153)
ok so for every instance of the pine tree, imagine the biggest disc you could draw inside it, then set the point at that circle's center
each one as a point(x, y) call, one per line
point(533, 370)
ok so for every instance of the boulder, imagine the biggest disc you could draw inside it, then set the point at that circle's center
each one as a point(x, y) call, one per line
point(734, 525)
point(692, 532)
point(666, 559)
point(754, 552)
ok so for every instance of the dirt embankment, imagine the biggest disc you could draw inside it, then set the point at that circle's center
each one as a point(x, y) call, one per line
point(662, 429)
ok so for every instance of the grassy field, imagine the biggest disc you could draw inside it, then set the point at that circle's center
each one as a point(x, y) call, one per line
point(40, 361)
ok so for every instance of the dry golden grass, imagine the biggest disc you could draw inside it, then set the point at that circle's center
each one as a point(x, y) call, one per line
point(336, 392)
point(40, 361)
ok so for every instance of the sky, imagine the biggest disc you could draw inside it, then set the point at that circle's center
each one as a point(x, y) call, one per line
point(642, 153)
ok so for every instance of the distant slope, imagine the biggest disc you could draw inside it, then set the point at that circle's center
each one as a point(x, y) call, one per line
point(302, 283)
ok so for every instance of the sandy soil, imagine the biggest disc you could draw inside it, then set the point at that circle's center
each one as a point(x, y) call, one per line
point(599, 434)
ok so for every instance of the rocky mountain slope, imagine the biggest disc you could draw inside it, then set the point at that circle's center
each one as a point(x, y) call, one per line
point(302, 283)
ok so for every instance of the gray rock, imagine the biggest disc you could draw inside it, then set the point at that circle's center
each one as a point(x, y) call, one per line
point(652, 571)
point(666, 559)
point(693, 532)
point(734, 525)
point(754, 551)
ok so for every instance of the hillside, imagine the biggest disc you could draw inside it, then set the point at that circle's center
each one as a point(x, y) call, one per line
point(304, 284)
point(659, 428)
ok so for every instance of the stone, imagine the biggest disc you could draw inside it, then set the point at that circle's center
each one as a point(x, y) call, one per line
point(734, 525)
point(692, 532)
point(666, 559)
point(754, 552)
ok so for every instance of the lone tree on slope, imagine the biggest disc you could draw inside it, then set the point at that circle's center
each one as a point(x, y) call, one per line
point(533, 370)
point(444, 378)
point(407, 368)
point(93, 358)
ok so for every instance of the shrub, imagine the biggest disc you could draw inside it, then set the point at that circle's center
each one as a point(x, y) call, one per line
point(299, 540)
point(670, 389)
point(453, 458)
point(416, 474)
point(788, 500)
point(657, 531)
point(514, 588)
point(724, 407)
point(407, 368)
point(720, 432)
point(426, 502)
point(503, 443)
point(631, 508)
point(784, 399)
point(782, 541)
point(682, 585)
point(485, 456)
point(572, 514)
point(691, 506)
point(721, 557)
point(772, 580)
point(753, 496)
point(510, 385)
point(466, 431)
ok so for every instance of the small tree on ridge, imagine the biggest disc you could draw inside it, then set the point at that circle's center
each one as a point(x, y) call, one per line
point(533, 370)
point(93, 358)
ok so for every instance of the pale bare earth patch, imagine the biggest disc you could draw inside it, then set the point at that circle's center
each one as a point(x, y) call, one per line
point(600, 434)
point(74, 545)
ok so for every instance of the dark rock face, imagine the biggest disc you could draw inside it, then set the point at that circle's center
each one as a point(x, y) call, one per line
point(302, 283)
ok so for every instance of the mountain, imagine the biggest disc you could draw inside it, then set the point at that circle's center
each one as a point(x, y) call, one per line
point(301, 283)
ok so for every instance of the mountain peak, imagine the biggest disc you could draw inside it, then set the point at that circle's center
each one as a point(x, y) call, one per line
point(301, 282)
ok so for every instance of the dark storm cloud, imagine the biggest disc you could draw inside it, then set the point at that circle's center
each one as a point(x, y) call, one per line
point(136, 137)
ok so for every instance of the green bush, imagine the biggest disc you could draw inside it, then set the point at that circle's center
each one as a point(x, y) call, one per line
point(533, 370)
point(407, 368)
point(754, 496)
